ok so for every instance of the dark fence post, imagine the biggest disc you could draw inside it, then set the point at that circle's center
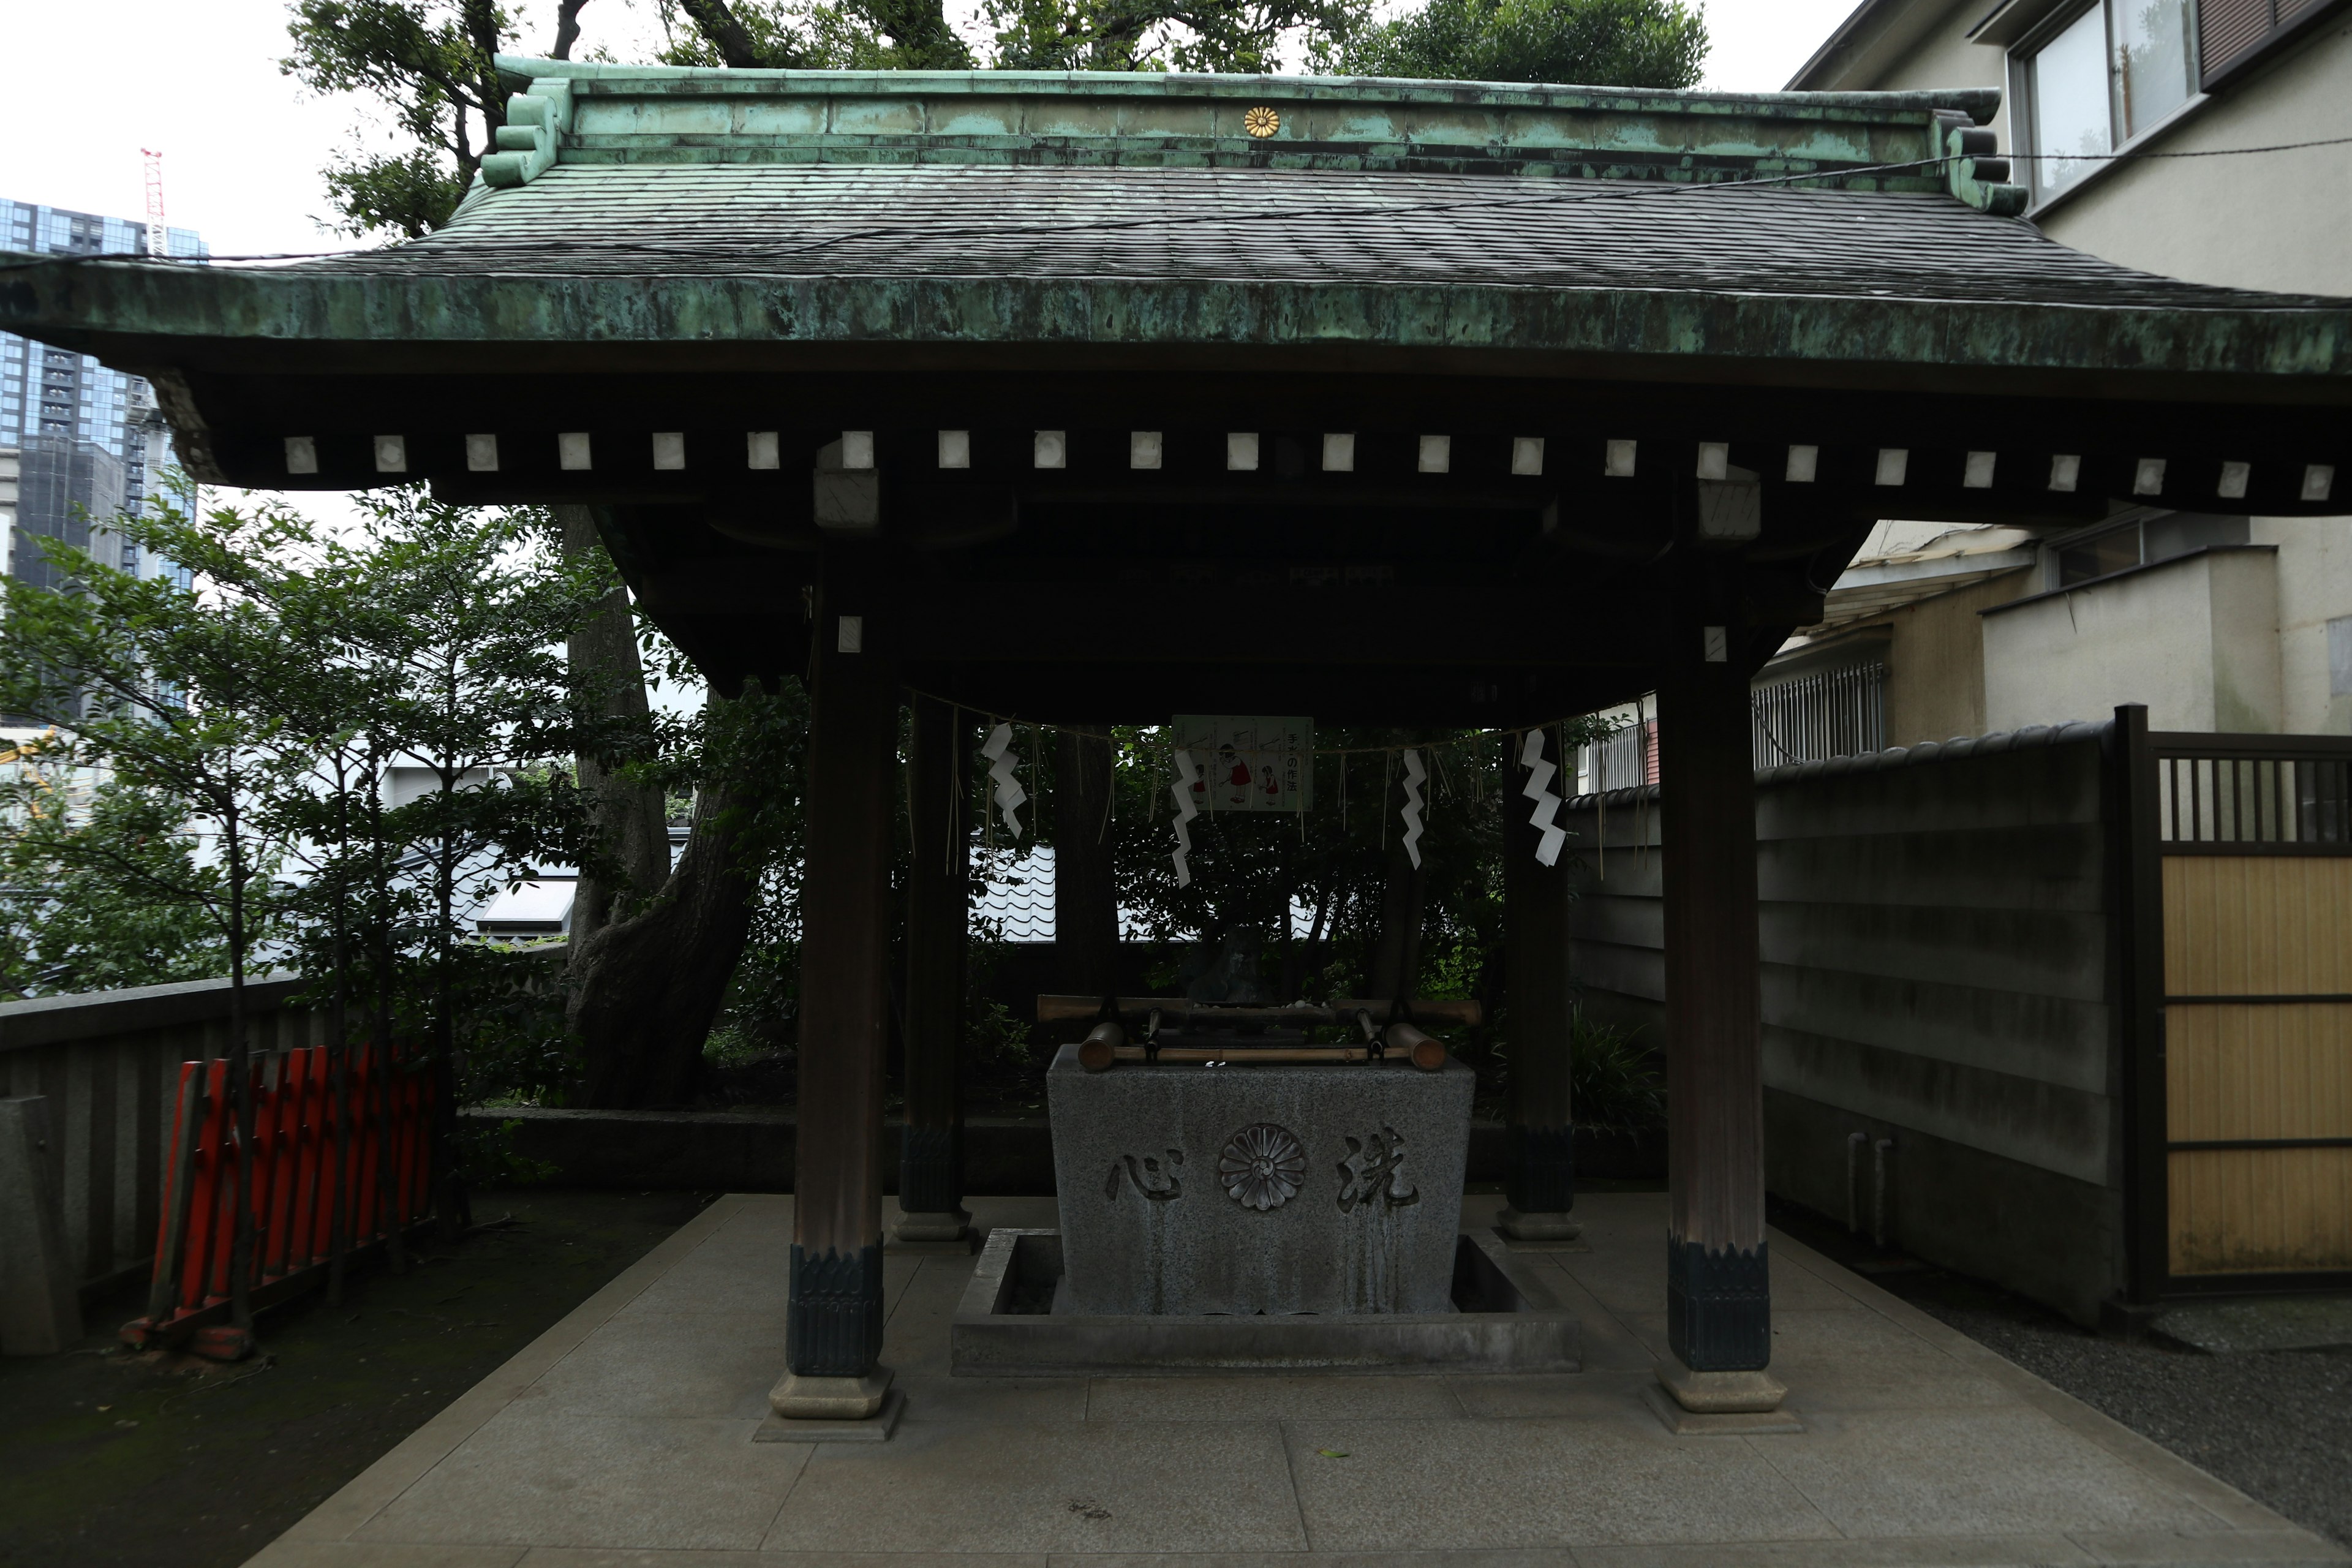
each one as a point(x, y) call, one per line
point(2135, 880)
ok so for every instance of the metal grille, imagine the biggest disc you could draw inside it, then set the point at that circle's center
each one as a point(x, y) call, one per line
point(2279, 800)
point(1837, 713)
point(1627, 758)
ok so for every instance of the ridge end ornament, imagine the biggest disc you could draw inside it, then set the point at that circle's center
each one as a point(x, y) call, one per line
point(1539, 789)
point(1262, 122)
point(1001, 763)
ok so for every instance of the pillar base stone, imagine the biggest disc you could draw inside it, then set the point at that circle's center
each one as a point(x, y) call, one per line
point(1721, 1392)
point(1517, 1227)
point(830, 1398)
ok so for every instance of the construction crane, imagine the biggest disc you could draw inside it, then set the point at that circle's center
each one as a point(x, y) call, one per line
point(156, 244)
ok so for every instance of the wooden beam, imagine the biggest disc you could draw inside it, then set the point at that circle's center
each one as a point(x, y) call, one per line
point(939, 812)
point(1718, 1309)
point(834, 1324)
point(1541, 1173)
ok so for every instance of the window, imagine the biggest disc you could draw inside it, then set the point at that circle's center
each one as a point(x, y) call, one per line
point(2234, 35)
point(2099, 77)
point(2115, 550)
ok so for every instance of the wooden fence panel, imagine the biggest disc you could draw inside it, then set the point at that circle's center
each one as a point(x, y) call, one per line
point(2258, 1091)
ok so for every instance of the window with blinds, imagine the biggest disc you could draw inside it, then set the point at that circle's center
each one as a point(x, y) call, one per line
point(2232, 35)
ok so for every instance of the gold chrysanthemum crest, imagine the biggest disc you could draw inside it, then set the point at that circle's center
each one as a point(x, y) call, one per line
point(1262, 122)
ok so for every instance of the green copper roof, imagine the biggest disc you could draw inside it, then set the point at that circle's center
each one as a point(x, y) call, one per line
point(774, 220)
point(565, 114)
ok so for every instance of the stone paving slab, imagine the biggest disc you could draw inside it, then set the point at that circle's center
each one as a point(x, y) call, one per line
point(622, 1439)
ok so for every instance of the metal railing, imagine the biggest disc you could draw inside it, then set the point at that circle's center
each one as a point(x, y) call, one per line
point(2244, 795)
point(1837, 713)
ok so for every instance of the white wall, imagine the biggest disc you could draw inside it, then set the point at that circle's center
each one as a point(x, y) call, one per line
point(2195, 638)
point(2267, 220)
point(2314, 587)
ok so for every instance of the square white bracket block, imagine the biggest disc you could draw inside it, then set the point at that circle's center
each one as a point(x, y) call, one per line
point(760, 450)
point(850, 638)
point(482, 453)
point(1526, 454)
point(1145, 449)
point(2147, 479)
point(392, 454)
point(1978, 473)
point(2065, 472)
point(2233, 480)
point(1241, 450)
point(1714, 458)
point(301, 454)
point(1718, 645)
point(1437, 454)
point(2317, 480)
point(955, 449)
point(1804, 465)
point(1051, 449)
point(1894, 465)
point(1619, 464)
point(857, 448)
point(1338, 453)
point(669, 449)
point(572, 451)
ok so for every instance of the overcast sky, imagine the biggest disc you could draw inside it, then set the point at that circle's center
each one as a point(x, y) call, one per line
point(95, 81)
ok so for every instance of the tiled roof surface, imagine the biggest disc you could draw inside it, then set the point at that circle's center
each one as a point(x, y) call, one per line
point(1262, 225)
point(1015, 890)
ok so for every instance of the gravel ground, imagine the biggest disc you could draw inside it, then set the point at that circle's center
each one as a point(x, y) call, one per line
point(2276, 1425)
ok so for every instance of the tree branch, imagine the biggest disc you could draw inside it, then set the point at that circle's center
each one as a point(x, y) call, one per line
point(567, 28)
point(724, 31)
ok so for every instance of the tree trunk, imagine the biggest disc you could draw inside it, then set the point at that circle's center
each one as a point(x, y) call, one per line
point(645, 990)
point(630, 819)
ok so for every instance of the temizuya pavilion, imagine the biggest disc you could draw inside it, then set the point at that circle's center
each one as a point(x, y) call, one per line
point(1101, 398)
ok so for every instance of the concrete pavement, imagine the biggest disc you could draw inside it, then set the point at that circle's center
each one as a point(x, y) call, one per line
point(623, 1436)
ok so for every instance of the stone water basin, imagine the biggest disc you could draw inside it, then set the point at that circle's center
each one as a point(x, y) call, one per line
point(1281, 1189)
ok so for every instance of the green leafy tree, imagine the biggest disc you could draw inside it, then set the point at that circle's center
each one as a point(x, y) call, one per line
point(169, 694)
point(430, 67)
point(473, 612)
point(1596, 43)
point(83, 911)
point(1247, 36)
point(809, 35)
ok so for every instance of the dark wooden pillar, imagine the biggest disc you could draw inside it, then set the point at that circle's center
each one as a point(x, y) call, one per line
point(1086, 901)
point(1542, 1175)
point(1718, 1308)
point(834, 1327)
point(938, 888)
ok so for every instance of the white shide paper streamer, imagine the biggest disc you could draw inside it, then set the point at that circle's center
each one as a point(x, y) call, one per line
point(1182, 792)
point(1413, 773)
point(1539, 777)
point(1001, 763)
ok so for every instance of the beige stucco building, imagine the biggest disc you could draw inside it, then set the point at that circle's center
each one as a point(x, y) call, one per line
point(2172, 136)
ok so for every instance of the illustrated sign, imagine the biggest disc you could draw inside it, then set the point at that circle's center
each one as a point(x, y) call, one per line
point(1249, 762)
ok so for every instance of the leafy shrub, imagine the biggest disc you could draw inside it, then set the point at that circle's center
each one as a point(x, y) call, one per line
point(1614, 1079)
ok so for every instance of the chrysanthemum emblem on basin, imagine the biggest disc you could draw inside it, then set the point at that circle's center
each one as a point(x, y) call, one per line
point(1262, 1166)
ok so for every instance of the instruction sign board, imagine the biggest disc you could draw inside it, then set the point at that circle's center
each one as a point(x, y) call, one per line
point(1249, 762)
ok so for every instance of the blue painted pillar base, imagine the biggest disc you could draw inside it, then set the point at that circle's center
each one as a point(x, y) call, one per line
point(833, 1322)
point(1719, 1307)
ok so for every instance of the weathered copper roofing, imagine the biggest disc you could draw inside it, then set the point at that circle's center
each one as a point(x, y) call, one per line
point(714, 214)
